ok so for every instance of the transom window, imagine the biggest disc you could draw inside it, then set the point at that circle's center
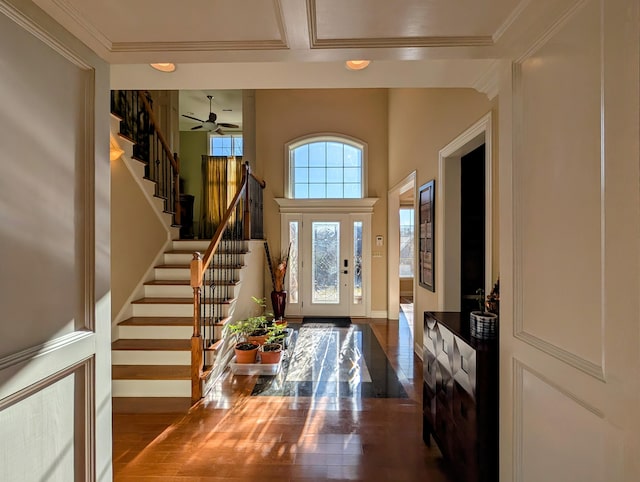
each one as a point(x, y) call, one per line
point(326, 168)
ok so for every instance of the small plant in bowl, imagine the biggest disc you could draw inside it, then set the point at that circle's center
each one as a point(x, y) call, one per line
point(482, 323)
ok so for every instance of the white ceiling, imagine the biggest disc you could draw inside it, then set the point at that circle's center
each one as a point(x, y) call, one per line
point(253, 44)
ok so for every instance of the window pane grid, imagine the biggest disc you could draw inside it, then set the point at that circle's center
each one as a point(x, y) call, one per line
point(325, 170)
point(226, 145)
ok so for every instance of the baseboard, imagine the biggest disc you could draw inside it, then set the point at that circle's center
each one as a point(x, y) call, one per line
point(378, 314)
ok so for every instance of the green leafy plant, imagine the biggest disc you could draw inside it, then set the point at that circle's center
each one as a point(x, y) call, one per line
point(249, 326)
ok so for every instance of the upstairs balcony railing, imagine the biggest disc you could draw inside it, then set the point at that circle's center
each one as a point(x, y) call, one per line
point(138, 123)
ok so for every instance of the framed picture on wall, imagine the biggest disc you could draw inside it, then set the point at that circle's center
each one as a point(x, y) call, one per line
point(426, 259)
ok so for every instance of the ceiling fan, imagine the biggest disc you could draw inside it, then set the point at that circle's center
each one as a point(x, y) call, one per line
point(210, 124)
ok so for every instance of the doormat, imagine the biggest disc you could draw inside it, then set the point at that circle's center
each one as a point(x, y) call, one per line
point(339, 321)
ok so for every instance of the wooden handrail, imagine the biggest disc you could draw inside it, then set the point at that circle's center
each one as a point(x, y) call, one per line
point(217, 236)
point(152, 119)
point(261, 182)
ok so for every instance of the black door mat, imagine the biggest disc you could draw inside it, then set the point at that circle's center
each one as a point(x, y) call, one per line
point(339, 321)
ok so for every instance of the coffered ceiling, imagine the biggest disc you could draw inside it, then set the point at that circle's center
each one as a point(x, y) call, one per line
point(219, 44)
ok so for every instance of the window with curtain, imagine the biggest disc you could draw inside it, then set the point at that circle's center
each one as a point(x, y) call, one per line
point(326, 168)
point(407, 255)
point(221, 177)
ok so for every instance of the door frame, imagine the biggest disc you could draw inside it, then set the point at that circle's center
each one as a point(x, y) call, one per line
point(393, 243)
point(358, 209)
point(448, 212)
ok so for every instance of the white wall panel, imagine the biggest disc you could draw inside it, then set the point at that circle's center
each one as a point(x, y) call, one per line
point(561, 438)
point(42, 222)
point(558, 169)
point(45, 431)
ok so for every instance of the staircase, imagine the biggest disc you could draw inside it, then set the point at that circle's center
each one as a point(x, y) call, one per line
point(157, 362)
point(151, 357)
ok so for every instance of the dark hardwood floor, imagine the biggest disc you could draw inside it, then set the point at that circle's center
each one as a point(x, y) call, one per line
point(233, 435)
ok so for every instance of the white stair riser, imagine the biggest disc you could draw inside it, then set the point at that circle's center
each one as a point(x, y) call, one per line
point(172, 273)
point(185, 273)
point(170, 291)
point(185, 258)
point(150, 357)
point(151, 388)
point(191, 245)
point(162, 309)
point(155, 332)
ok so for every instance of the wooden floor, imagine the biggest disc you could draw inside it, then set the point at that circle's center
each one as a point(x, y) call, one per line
point(232, 436)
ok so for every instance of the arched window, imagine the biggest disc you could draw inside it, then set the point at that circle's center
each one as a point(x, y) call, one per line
point(326, 167)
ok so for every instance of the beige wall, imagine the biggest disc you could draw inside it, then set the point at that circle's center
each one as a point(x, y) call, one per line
point(284, 115)
point(192, 146)
point(421, 122)
point(137, 235)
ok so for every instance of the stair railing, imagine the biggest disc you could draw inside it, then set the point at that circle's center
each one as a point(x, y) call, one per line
point(213, 275)
point(139, 124)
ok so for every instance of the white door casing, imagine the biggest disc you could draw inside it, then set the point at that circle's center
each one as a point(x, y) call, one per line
point(348, 211)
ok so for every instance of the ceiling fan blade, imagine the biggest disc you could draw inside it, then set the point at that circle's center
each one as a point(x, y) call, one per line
point(228, 126)
point(219, 131)
point(196, 127)
point(194, 118)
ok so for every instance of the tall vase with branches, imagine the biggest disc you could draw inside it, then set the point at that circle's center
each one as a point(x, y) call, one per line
point(278, 271)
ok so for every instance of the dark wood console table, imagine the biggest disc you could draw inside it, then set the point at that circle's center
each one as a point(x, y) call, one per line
point(460, 396)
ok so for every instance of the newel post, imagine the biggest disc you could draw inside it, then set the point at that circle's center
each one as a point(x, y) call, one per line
point(196, 338)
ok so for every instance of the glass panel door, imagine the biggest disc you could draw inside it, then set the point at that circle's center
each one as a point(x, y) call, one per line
point(328, 264)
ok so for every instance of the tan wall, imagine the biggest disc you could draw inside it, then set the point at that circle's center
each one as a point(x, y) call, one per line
point(421, 122)
point(406, 286)
point(192, 146)
point(137, 235)
point(284, 115)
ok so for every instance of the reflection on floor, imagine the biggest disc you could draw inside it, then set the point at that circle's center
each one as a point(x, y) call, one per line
point(232, 436)
point(326, 360)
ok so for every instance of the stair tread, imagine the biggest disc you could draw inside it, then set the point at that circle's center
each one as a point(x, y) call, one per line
point(148, 344)
point(185, 282)
point(151, 372)
point(157, 321)
point(187, 266)
point(179, 301)
point(151, 404)
point(186, 251)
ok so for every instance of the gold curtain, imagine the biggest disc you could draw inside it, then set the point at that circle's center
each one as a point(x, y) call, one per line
point(221, 176)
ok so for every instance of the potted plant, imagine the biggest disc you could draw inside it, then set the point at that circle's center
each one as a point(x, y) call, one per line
point(251, 332)
point(482, 323)
point(270, 353)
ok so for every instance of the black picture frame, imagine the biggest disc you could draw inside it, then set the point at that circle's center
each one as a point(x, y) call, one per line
point(426, 246)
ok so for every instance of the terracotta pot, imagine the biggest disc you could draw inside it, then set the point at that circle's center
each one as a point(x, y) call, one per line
point(259, 339)
point(270, 356)
point(246, 356)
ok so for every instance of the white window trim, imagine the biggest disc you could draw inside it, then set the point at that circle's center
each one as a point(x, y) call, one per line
point(325, 137)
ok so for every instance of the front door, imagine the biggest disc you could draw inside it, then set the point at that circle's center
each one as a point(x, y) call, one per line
point(325, 275)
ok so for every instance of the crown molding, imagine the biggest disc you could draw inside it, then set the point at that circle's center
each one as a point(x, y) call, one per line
point(489, 81)
point(201, 46)
point(72, 13)
point(510, 20)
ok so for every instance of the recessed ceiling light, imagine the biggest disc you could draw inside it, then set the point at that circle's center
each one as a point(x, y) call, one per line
point(164, 67)
point(357, 64)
